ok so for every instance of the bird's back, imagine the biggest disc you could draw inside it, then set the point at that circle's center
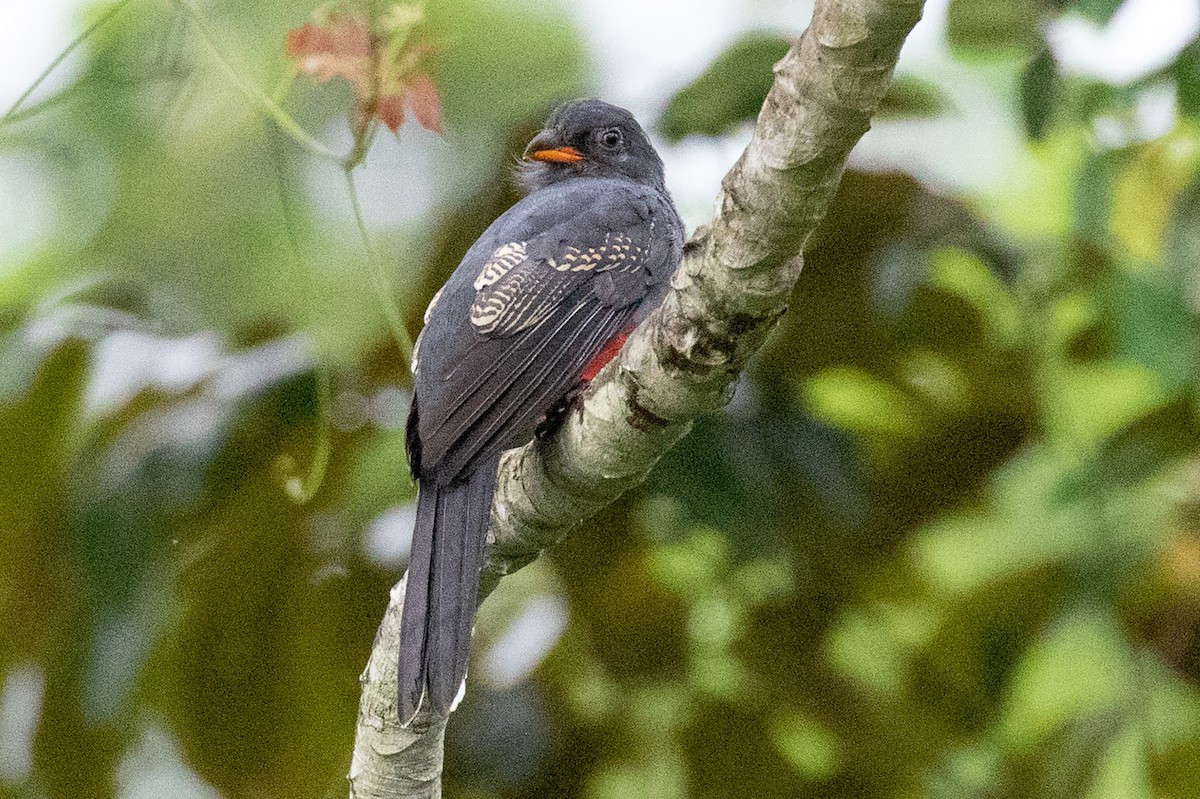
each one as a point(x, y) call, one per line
point(533, 240)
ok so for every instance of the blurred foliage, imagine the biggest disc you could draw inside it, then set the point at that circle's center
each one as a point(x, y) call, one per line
point(987, 26)
point(732, 89)
point(945, 542)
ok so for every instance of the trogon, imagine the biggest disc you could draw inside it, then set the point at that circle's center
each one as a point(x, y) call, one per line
point(539, 303)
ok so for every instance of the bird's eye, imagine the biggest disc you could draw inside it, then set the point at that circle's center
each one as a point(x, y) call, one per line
point(611, 139)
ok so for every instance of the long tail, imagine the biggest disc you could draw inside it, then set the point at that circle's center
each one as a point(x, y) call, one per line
point(443, 588)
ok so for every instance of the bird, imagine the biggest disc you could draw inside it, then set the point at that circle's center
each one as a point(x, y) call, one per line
point(538, 305)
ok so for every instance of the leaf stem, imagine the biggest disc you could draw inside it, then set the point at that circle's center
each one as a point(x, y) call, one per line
point(304, 489)
point(390, 310)
point(14, 116)
point(363, 137)
point(282, 118)
point(70, 48)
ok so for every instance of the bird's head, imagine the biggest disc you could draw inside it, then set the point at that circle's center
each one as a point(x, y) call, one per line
point(593, 138)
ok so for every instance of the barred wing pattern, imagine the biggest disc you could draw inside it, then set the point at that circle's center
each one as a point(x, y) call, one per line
point(540, 308)
point(511, 299)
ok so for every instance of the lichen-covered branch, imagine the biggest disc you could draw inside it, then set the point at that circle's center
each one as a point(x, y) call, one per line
point(734, 283)
point(390, 760)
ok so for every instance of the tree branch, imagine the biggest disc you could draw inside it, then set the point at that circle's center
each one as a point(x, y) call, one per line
point(733, 285)
point(391, 761)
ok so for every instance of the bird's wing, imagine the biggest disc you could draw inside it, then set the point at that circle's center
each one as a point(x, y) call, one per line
point(544, 305)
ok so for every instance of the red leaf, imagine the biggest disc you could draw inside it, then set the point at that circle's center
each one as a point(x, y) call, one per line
point(338, 43)
point(423, 99)
point(340, 48)
point(390, 110)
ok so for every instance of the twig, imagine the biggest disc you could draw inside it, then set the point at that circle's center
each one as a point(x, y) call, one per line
point(306, 488)
point(70, 48)
point(378, 279)
point(272, 109)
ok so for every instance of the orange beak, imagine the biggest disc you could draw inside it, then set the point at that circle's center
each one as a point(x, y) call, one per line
point(557, 155)
point(546, 146)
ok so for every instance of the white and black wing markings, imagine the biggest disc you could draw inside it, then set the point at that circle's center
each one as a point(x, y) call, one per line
point(514, 291)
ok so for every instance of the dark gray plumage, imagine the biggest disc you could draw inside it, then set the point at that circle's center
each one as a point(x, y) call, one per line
point(548, 290)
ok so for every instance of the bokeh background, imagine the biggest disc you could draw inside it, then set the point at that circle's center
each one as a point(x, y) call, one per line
point(944, 542)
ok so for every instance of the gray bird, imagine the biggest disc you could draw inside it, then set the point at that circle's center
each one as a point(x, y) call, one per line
point(541, 301)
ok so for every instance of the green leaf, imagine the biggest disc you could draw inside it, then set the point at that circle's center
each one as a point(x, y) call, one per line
point(661, 775)
point(730, 91)
point(806, 744)
point(1187, 80)
point(1098, 11)
point(1093, 193)
point(1079, 669)
point(963, 274)
point(1039, 90)
point(1144, 191)
point(1143, 448)
point(692, 566)
point(857, 401)
point(1152, 326)
point(1029, 518)
point(861, 648)
point(1122, 773)
point(992, 26)
point(1098, 399)
point(911, 97)
point(1181, 240)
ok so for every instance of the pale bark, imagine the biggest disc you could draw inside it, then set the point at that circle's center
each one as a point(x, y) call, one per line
point(389, 760)
point(737, 275)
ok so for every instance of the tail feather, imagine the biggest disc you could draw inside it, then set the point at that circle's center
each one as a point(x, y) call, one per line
point(479, 509)
point(443, 588)
point(411, 674)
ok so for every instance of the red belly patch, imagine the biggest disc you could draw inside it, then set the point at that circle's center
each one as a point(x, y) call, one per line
point(605, 355)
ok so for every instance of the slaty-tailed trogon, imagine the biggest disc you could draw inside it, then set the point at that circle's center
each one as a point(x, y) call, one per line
point(537, 305)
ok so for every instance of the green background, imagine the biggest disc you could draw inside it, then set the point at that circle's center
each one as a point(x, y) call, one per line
point(945, 542)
